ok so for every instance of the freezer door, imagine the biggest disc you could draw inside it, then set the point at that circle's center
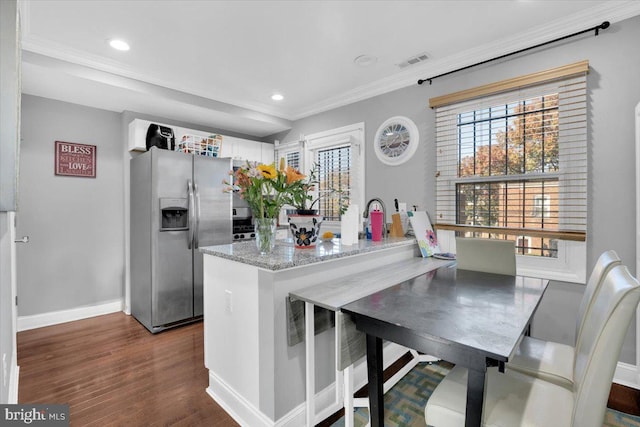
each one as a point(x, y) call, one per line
point(172, 269)
point(213, 210)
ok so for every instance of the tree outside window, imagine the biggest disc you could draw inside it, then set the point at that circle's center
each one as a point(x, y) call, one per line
point(519, 143)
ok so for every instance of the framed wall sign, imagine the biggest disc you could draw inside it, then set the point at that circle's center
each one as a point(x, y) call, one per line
point(73, 159)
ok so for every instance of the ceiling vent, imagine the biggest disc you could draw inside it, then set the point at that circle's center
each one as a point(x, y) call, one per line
point(413, 60)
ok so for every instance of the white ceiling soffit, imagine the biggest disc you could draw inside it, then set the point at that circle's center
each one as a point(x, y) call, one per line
point(86, 86)
point(221, 71)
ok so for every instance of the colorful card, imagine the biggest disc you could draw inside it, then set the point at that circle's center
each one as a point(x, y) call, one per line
point(426, 237)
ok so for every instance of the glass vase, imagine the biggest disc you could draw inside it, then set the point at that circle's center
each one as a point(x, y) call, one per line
point(265, 229)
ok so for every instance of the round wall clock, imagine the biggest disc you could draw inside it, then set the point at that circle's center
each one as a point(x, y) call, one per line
point(396, 140)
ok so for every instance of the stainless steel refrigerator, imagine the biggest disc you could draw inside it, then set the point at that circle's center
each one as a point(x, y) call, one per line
point(177, 205)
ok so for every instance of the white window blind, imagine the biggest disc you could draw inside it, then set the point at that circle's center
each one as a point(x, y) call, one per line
point(292, 158)
point(515, 164)
point(291, 153)
point(334, 176)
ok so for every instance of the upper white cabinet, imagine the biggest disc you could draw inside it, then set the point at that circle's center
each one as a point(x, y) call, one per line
point(268, 152)
point(243, 149)
point(237, 148)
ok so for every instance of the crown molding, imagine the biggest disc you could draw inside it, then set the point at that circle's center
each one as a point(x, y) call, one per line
point(612, 11)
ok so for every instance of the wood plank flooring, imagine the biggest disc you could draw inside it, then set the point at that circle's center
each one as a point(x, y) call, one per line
point(113, 372)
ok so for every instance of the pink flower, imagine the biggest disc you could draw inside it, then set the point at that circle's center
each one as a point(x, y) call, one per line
point(431, 237)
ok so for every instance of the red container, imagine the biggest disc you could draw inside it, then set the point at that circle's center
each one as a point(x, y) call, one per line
point(376, 226)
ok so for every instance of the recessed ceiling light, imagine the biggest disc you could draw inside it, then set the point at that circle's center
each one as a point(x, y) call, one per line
point(119, 44)
point(277, 97)
point(365, 60)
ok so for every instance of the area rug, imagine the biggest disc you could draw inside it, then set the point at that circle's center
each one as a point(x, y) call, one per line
point(404, 403)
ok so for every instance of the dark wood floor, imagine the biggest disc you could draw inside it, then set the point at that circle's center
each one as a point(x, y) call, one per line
point(112, 371)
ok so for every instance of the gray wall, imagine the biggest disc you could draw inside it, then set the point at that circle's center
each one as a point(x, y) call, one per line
point(77, 226)
point(74, 257)
point(614, 90)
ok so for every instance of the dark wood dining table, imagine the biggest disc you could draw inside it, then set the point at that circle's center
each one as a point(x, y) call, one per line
point(468, 318)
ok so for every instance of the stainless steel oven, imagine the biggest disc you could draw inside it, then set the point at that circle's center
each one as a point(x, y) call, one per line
point(242, 228)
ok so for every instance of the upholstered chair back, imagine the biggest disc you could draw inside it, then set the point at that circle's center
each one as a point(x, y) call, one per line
point(597, 355)
point(605, 262)
point(486, 255)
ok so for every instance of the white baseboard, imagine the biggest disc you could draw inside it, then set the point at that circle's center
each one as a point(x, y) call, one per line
point(240, 409)
point(56, 317)
point(626, 374)
point(246, 414)
point(13, 384)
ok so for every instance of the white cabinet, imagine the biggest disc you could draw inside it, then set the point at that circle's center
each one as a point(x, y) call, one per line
point(247, 150)
point(227, 147)
point(138, 135)
point(254, 151)
point(268, 152)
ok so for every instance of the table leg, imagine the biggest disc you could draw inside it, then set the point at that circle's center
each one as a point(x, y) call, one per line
point(309, 346)
point(374, 371)
point(475, 398)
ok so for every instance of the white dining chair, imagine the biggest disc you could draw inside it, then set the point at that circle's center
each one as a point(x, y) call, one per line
point(516, 399)
point(486, 255)
point(554, 361)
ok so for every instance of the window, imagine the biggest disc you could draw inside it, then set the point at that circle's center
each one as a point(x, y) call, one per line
point(517, 139)
point(339, 156)
point(292, 158)
point(512, 164)
point(334, 173)
point(523, 245)
point(542, 205)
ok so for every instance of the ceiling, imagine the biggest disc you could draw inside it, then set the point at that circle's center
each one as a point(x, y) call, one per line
point(217, 63)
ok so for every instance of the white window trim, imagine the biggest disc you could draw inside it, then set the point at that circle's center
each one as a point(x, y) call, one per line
point(282, 149)
point(352, 135)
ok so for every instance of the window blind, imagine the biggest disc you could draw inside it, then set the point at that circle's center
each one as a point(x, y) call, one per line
point(292, 158)
point(334, 176)
point(515, 163)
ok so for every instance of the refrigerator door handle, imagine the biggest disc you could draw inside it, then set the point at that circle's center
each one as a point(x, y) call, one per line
point(196, 216)
point(191, 213)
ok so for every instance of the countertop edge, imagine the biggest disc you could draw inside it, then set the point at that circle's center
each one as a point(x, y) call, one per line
point(285, 256)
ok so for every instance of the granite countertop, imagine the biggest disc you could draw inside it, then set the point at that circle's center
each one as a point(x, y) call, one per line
point(285, 255)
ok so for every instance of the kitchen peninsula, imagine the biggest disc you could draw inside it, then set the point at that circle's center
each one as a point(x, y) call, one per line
point(253, 336)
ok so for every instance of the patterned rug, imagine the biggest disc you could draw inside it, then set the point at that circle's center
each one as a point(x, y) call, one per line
point(404, 403)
